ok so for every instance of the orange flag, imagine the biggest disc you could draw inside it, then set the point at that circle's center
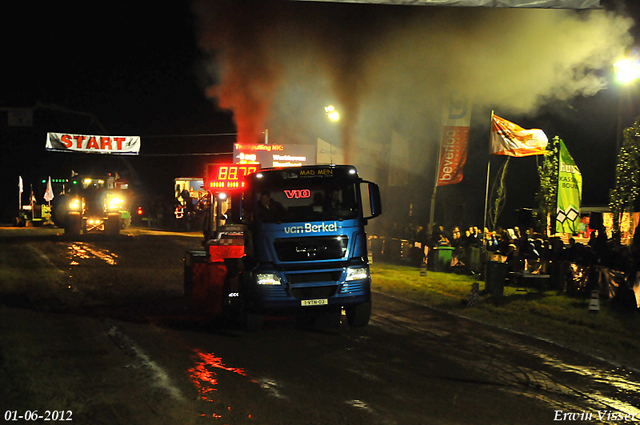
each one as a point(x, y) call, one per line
point(510, 139)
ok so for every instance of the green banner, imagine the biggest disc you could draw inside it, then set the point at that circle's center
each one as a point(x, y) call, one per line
point(569, 194)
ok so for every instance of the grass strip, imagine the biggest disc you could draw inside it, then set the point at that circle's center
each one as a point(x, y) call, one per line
point(608, 333)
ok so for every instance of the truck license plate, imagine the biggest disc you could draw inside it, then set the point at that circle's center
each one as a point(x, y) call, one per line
point(315, 302)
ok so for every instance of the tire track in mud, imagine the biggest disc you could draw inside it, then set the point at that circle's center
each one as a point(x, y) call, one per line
point(106, 387)
point(159, 376)
point(534, 373)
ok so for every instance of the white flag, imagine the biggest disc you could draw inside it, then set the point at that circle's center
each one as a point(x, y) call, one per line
point(48, 194)
point(20, 184)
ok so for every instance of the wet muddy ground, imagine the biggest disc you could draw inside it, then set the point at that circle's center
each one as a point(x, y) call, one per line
point(99, 328)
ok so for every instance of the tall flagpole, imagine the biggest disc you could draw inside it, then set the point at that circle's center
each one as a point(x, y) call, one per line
point(19, 195)
point(432, 210)
point(31, 202)
point(486, 191)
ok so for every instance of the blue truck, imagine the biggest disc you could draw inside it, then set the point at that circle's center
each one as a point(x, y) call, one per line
point(286, 240)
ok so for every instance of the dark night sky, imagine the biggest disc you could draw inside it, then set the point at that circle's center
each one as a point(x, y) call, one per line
point(137, 68)
point(131, 65)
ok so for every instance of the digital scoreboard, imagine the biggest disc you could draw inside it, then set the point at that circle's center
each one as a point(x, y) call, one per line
point(227, 176)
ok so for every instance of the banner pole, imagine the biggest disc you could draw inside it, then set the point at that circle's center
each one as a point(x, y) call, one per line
point(31, 201)
point(486, 191)
point(486, 195)
point(432, 210)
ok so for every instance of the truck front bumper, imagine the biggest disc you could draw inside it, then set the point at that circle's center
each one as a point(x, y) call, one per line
point(317, 288)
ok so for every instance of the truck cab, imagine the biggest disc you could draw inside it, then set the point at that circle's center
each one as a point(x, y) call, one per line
point(304, 244)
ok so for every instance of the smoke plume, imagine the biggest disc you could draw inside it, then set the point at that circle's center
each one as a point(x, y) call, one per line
point(237, 38)
point(391, 67)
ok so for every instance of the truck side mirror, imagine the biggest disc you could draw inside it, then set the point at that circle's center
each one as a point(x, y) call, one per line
point(374, 200)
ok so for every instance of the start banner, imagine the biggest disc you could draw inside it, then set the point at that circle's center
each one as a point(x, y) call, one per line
point(115, 145)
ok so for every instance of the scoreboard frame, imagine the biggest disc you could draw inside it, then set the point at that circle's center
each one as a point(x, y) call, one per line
point(227, 176)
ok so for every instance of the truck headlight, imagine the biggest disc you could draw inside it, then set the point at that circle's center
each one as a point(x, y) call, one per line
point(75, 204)
point(115, 203)
point(357, 273)
point(268, 279)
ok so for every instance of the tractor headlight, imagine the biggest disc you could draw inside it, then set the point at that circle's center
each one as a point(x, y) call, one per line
point(75, 204)
point(115, 203)
point(268, 279)
point(357, 273)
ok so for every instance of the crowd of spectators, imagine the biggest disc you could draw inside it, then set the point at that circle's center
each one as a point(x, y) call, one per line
point(575, 268)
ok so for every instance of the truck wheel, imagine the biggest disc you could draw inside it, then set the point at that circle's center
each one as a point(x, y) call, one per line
point(188, 283)
point(112, 224)
point(231, 303)
point(73, 225)
point(358, 315)
point(125, 223)
point(253, 322)
point(248, 316)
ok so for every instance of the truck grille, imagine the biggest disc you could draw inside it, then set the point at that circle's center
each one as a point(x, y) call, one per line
point(314, 248)
point(333, 276)
point(354, 288)
point(314, 292)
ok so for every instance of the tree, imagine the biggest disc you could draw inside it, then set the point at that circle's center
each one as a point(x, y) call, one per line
point(547, 197)
point(625, 191)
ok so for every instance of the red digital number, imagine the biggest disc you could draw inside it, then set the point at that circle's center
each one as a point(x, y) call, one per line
point(249, 170)
point(228, 176)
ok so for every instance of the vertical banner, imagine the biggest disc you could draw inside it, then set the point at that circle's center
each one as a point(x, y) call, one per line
point(399, 158)
point(455, 137)
point(569, 194)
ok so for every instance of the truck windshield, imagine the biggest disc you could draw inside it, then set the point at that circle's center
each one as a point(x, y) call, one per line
point(314, 201)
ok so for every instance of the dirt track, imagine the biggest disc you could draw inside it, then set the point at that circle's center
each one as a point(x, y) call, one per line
point(99, 328)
